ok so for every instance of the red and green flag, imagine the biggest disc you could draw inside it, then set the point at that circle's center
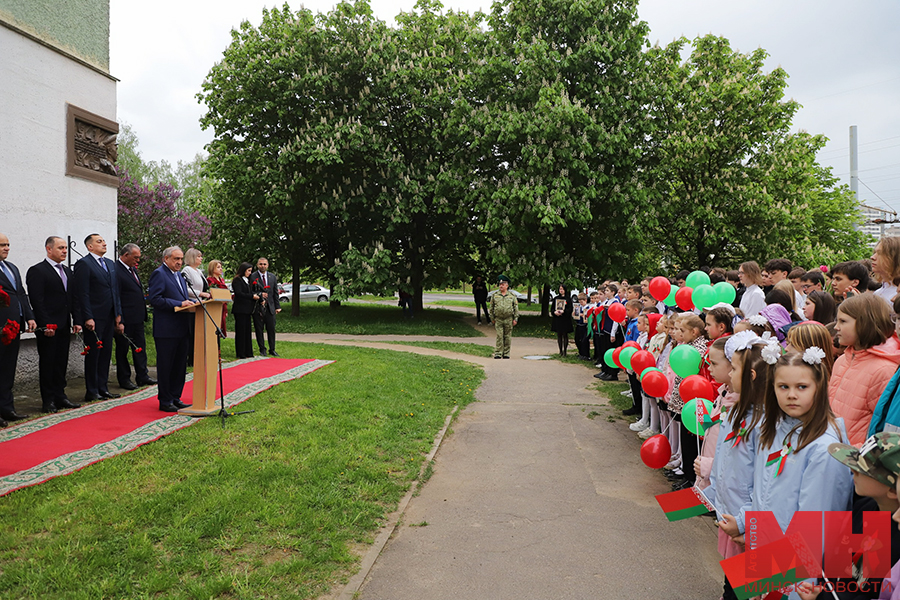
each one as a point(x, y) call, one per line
point(683, 504)
point(766, 571)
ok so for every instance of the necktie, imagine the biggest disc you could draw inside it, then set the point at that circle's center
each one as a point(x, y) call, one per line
point(134, 273)
point(103, 264)
point(8, 273)
point(62, 275)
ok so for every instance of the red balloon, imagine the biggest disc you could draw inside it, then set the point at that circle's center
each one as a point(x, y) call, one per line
point(660, 288)
point(655, 384)
point(642, 359)
point(696, 386)
point(656, 451)
point(616, 356)
point(631, 345)
point(616, 312)
point(683, 298)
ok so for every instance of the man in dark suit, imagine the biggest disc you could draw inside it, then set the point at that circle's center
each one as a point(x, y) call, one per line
point(52, 297)
point(17, 313)
point(134, 315)
point(171, 329)
point(266, 285)
point(97, 296)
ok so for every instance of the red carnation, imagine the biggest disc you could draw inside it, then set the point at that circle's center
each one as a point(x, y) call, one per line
point(9, 333)
point(50, 326)
point(138, 350)
point(4, 298)
point(86, 350)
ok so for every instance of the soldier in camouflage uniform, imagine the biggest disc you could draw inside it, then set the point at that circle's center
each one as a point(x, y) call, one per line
point(504, 312)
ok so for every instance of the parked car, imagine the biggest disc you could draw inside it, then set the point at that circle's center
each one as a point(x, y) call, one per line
point(307, 292)
point(522, 298)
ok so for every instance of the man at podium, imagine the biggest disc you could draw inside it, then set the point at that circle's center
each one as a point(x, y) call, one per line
point(171, 330)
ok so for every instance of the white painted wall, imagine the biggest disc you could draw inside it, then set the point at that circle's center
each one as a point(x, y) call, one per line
point(37, 199)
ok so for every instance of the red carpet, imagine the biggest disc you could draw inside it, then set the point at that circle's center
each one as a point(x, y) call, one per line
point(58, 444)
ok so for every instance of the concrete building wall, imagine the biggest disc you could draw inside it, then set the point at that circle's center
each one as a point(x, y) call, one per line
point(51, 54)
point(38, 198)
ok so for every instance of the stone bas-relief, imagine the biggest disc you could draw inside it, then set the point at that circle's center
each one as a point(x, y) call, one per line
point(95, 148)
point(91, 149)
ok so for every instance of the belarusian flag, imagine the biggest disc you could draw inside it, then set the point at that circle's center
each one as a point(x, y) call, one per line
point(683, 504)
point(763, 571)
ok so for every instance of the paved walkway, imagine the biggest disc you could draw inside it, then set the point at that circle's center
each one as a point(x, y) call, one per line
point(532, 499)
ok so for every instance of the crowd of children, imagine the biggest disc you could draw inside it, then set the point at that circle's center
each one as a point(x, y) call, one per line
point(805, 364)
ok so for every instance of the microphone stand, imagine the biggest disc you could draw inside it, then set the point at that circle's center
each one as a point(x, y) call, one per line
point(223, 414)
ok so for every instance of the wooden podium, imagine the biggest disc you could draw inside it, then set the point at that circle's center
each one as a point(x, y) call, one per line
point(206, 353)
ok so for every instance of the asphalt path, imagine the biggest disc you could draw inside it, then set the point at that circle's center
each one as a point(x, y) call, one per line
point(537, 492)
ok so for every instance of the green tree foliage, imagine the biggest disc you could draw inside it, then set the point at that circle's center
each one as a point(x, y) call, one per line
point(558, 134)
point(729, 180)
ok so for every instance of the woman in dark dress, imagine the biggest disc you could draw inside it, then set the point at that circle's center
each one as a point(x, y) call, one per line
point(242, 308)
point(561, 321)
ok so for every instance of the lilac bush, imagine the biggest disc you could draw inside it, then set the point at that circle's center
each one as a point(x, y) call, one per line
point(152, 219)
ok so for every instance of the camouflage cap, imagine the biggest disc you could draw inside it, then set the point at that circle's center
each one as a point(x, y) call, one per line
point(878, 457)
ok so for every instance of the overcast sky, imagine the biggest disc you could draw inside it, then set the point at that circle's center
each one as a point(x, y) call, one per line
point(842, 59)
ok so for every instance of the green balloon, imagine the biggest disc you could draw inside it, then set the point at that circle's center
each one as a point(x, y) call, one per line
point(689, 416)
point(684, 360)
point(696, 279)
point(608, 359)
point(704, 296)
point(670, 301)
point(625, 356)
point(725, 292)
point(647, 370)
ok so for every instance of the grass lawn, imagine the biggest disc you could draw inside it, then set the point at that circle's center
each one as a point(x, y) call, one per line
point(269, 507)
point(533, 326)
point(372, 319)
point(522, 307)
point(473, 349)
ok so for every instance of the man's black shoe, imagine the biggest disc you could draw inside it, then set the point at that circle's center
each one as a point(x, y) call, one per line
point(49, 408)
point(601, 376)
point(128, 386)
point(109, 395)
point(273, 353)
point(147, 382)
point(11, 415)
point(168, 408)
point(634, 410)
point(90, 398)
point(498, 357)
point(505, 357)
point(180, 404)
point(66, 403)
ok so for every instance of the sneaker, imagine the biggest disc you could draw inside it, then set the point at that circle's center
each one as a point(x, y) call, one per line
point(673, 464)
point(627, 393)
point(599, 366)
point(479, 322)
point(638, 425)
point(647, 433)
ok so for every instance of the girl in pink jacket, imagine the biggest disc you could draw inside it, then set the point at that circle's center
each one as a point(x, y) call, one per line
point(860, 375)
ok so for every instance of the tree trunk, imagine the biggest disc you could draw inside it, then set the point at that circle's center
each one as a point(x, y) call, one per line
point(418, 303)
point(331, 302)
point(295, 291)
point(529, 294)
point(545, 300)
